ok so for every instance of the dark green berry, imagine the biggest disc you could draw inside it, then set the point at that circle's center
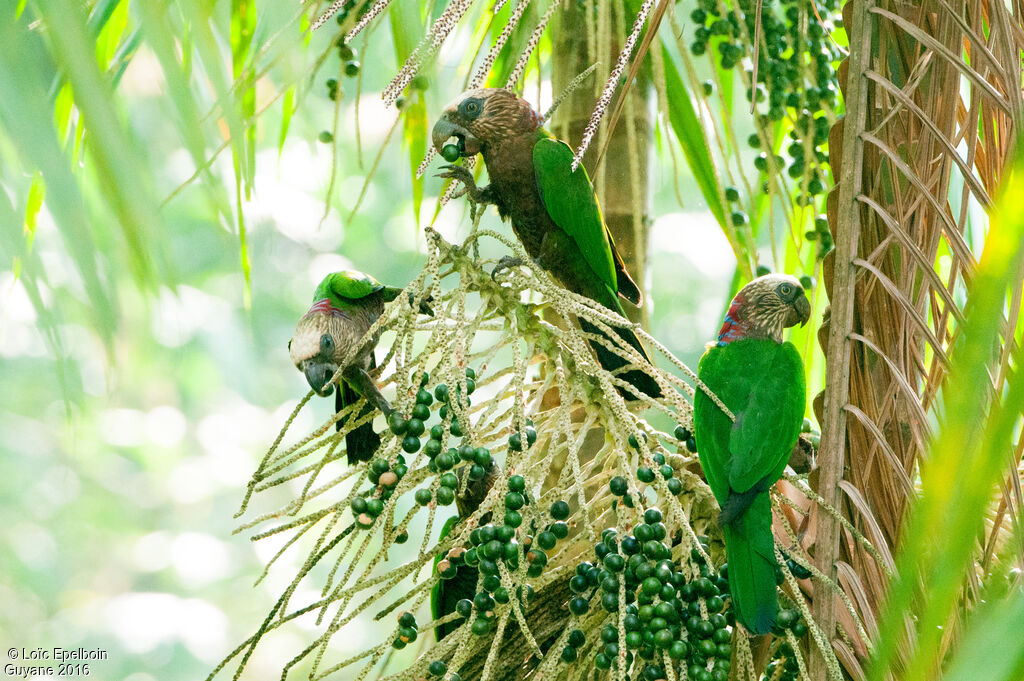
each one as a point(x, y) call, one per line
point(516, 483)
point(445, 495)
point(450, 153)
point(351, 68)
point(560, 510)
point(645, 474)
point(437, 668)
point(423, 496)
point(579, 606)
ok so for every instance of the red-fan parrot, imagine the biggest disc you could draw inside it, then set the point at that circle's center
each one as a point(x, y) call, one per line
point(345, 306)
point(553, 210)
point(760, 379)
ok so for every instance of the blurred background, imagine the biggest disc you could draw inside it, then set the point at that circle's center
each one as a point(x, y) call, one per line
point(126, 441)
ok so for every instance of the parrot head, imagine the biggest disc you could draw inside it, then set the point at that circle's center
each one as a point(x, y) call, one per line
point(764, 307)
point(315, 349)
point(482, 117)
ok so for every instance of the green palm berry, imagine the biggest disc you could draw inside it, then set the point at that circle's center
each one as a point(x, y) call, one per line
point(477, 472)
point(420, 83)
point(351, 68)
point(450, 153)
point(423, 496)
point(445, 495)
point(437, 668)
point(618, 485)
point(560, 510)
point(645, 474)
point(568, 655)
point(560, 530)
point(516, 483)
point(449, 480)
point(514, 501)
point(358, 505)
point(420, 412)
point(546, 540)
point(513, 518)
point(411, 443)
point(652, 516)
point(577, 638)
point(579, 606)
point(416, 427)
point(707, 87)
point(432, 448)
point(374, 507)
point(787, 618)
point(397, 424)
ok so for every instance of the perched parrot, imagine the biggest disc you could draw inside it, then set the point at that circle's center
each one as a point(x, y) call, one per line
point(447, 592)
point(553, 210)
point(760, 379)
point(345, 306)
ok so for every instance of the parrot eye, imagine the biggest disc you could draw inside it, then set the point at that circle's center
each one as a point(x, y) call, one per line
point(326, 345)
point(470, 108)
point(785, 290)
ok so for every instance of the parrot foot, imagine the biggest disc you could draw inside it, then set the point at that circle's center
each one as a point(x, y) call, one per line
point(365, 386)
point(507, 262)
point(463, 175)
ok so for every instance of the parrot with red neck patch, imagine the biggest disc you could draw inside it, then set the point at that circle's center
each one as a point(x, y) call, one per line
point(553, 209)
point(760, 379)
point(345, 306)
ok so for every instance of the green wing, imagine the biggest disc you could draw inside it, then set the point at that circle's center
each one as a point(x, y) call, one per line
point(440, 601)
point(762, 383)
point(570, 201)
point(346, 285)
point(766, 429)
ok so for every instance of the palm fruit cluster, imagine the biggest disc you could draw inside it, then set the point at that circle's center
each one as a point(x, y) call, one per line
point(674, 614)
point(503, 543)
point(366, 506)
point(349, 57)
point(796, 81)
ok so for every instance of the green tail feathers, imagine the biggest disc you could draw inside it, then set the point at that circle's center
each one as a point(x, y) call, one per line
point(750, 552)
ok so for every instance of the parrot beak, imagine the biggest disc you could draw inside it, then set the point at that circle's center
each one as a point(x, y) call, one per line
point(803, 309)
point(318, 375)
point(445, 128)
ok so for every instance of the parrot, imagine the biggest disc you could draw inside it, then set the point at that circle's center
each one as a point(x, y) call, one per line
point(553, 210)
point(447, 592)
point(345, 305)
point(760, 379)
